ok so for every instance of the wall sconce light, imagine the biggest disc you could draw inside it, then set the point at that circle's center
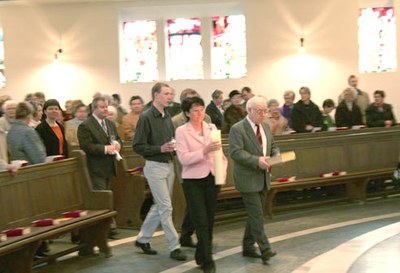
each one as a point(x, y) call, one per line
point(302, 50)
point(58, 52)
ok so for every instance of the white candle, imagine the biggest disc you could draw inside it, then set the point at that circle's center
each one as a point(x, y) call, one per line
point(218, 159)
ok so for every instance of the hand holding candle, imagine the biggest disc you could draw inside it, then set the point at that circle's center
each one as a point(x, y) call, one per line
point(218, 158)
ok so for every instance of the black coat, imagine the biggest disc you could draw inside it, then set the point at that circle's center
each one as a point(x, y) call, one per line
point(346, 118)
point(376, 118)
point(215, 114)
point(306, 114)
point(50, 140)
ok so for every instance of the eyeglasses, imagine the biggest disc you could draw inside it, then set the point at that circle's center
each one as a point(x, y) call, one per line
point(260, 111)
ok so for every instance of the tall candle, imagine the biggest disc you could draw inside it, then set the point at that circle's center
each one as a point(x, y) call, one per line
point(218, 159)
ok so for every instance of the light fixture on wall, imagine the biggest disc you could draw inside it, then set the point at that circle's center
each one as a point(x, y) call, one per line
point(56, 55)
point(302, 50)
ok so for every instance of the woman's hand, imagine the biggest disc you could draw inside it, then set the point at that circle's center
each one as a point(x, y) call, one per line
point(213, 146)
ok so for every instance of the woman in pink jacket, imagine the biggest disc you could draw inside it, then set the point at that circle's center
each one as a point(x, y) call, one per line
point(195, 153)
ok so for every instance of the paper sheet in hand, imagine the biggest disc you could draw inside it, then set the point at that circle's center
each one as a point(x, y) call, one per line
point(282, 158)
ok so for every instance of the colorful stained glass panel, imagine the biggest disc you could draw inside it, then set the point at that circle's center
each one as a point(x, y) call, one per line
point(185, 54)
point(229, 47)
point(377, 40)
point(139, 51)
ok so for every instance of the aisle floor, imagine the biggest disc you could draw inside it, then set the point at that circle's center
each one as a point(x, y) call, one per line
point(346, 238)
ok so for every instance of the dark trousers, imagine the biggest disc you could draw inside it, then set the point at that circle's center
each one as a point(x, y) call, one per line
point(187, 228)
point(201, 198)
point(254, 203)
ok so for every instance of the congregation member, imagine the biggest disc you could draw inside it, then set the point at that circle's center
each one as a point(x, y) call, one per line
point(154, 140)
point(174, 108)
point(71, 126)
point(247, 94)
point(195, 152)
point(250, 145)
point(51, 131)
point(24, 142)
point(99, 139)
point(113, 116)
point(68, 112)
point(225, 104)
point(130, 120)
point(277, 123)
point(306, 115)
point(214, 109)
point(235, 112)
point(9, 108)
point(3, 99)
point(327, 107)
point(180, 118)
point(116, 102)
point(361, 98)
point(379, 113)
point(39, 97)
point(37, 114)
point(348, 113)
point(286, 109)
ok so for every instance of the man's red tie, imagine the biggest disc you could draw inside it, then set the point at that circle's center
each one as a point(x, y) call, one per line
point(258, 134)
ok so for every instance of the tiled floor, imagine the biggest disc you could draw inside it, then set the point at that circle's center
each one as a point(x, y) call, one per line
point(349, 238)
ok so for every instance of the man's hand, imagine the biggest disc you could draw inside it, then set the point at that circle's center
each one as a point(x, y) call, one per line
point(263, 163)
point(110, 149)
point(168, 147)
point(116, 145)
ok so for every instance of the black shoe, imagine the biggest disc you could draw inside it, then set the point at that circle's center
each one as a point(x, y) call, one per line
point(267, 254)
point(187, 242)
point(250, 253)
point(210, 268)
point(146, 248)
point(178, 255)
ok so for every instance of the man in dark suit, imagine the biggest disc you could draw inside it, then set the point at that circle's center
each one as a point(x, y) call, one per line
point(99, 138)
point(214, 109)
point(250, 146)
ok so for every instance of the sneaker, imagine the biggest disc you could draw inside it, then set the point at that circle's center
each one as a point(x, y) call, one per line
point(146, 248)
point(178, 255)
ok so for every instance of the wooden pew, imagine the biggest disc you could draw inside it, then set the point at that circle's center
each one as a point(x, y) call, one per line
point(46, 191)
point(364, 154)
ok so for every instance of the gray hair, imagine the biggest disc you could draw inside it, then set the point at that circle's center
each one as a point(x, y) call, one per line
point(9, 103)
point(215, 95)
point(255, 101)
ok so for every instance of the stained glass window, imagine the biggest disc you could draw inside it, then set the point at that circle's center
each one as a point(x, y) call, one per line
point(185, 54)
point(377, 40)
point(2, 77)
point(139, 51)
point(229, 47)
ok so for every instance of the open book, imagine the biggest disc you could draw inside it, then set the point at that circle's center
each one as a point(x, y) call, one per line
point(282, 158)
